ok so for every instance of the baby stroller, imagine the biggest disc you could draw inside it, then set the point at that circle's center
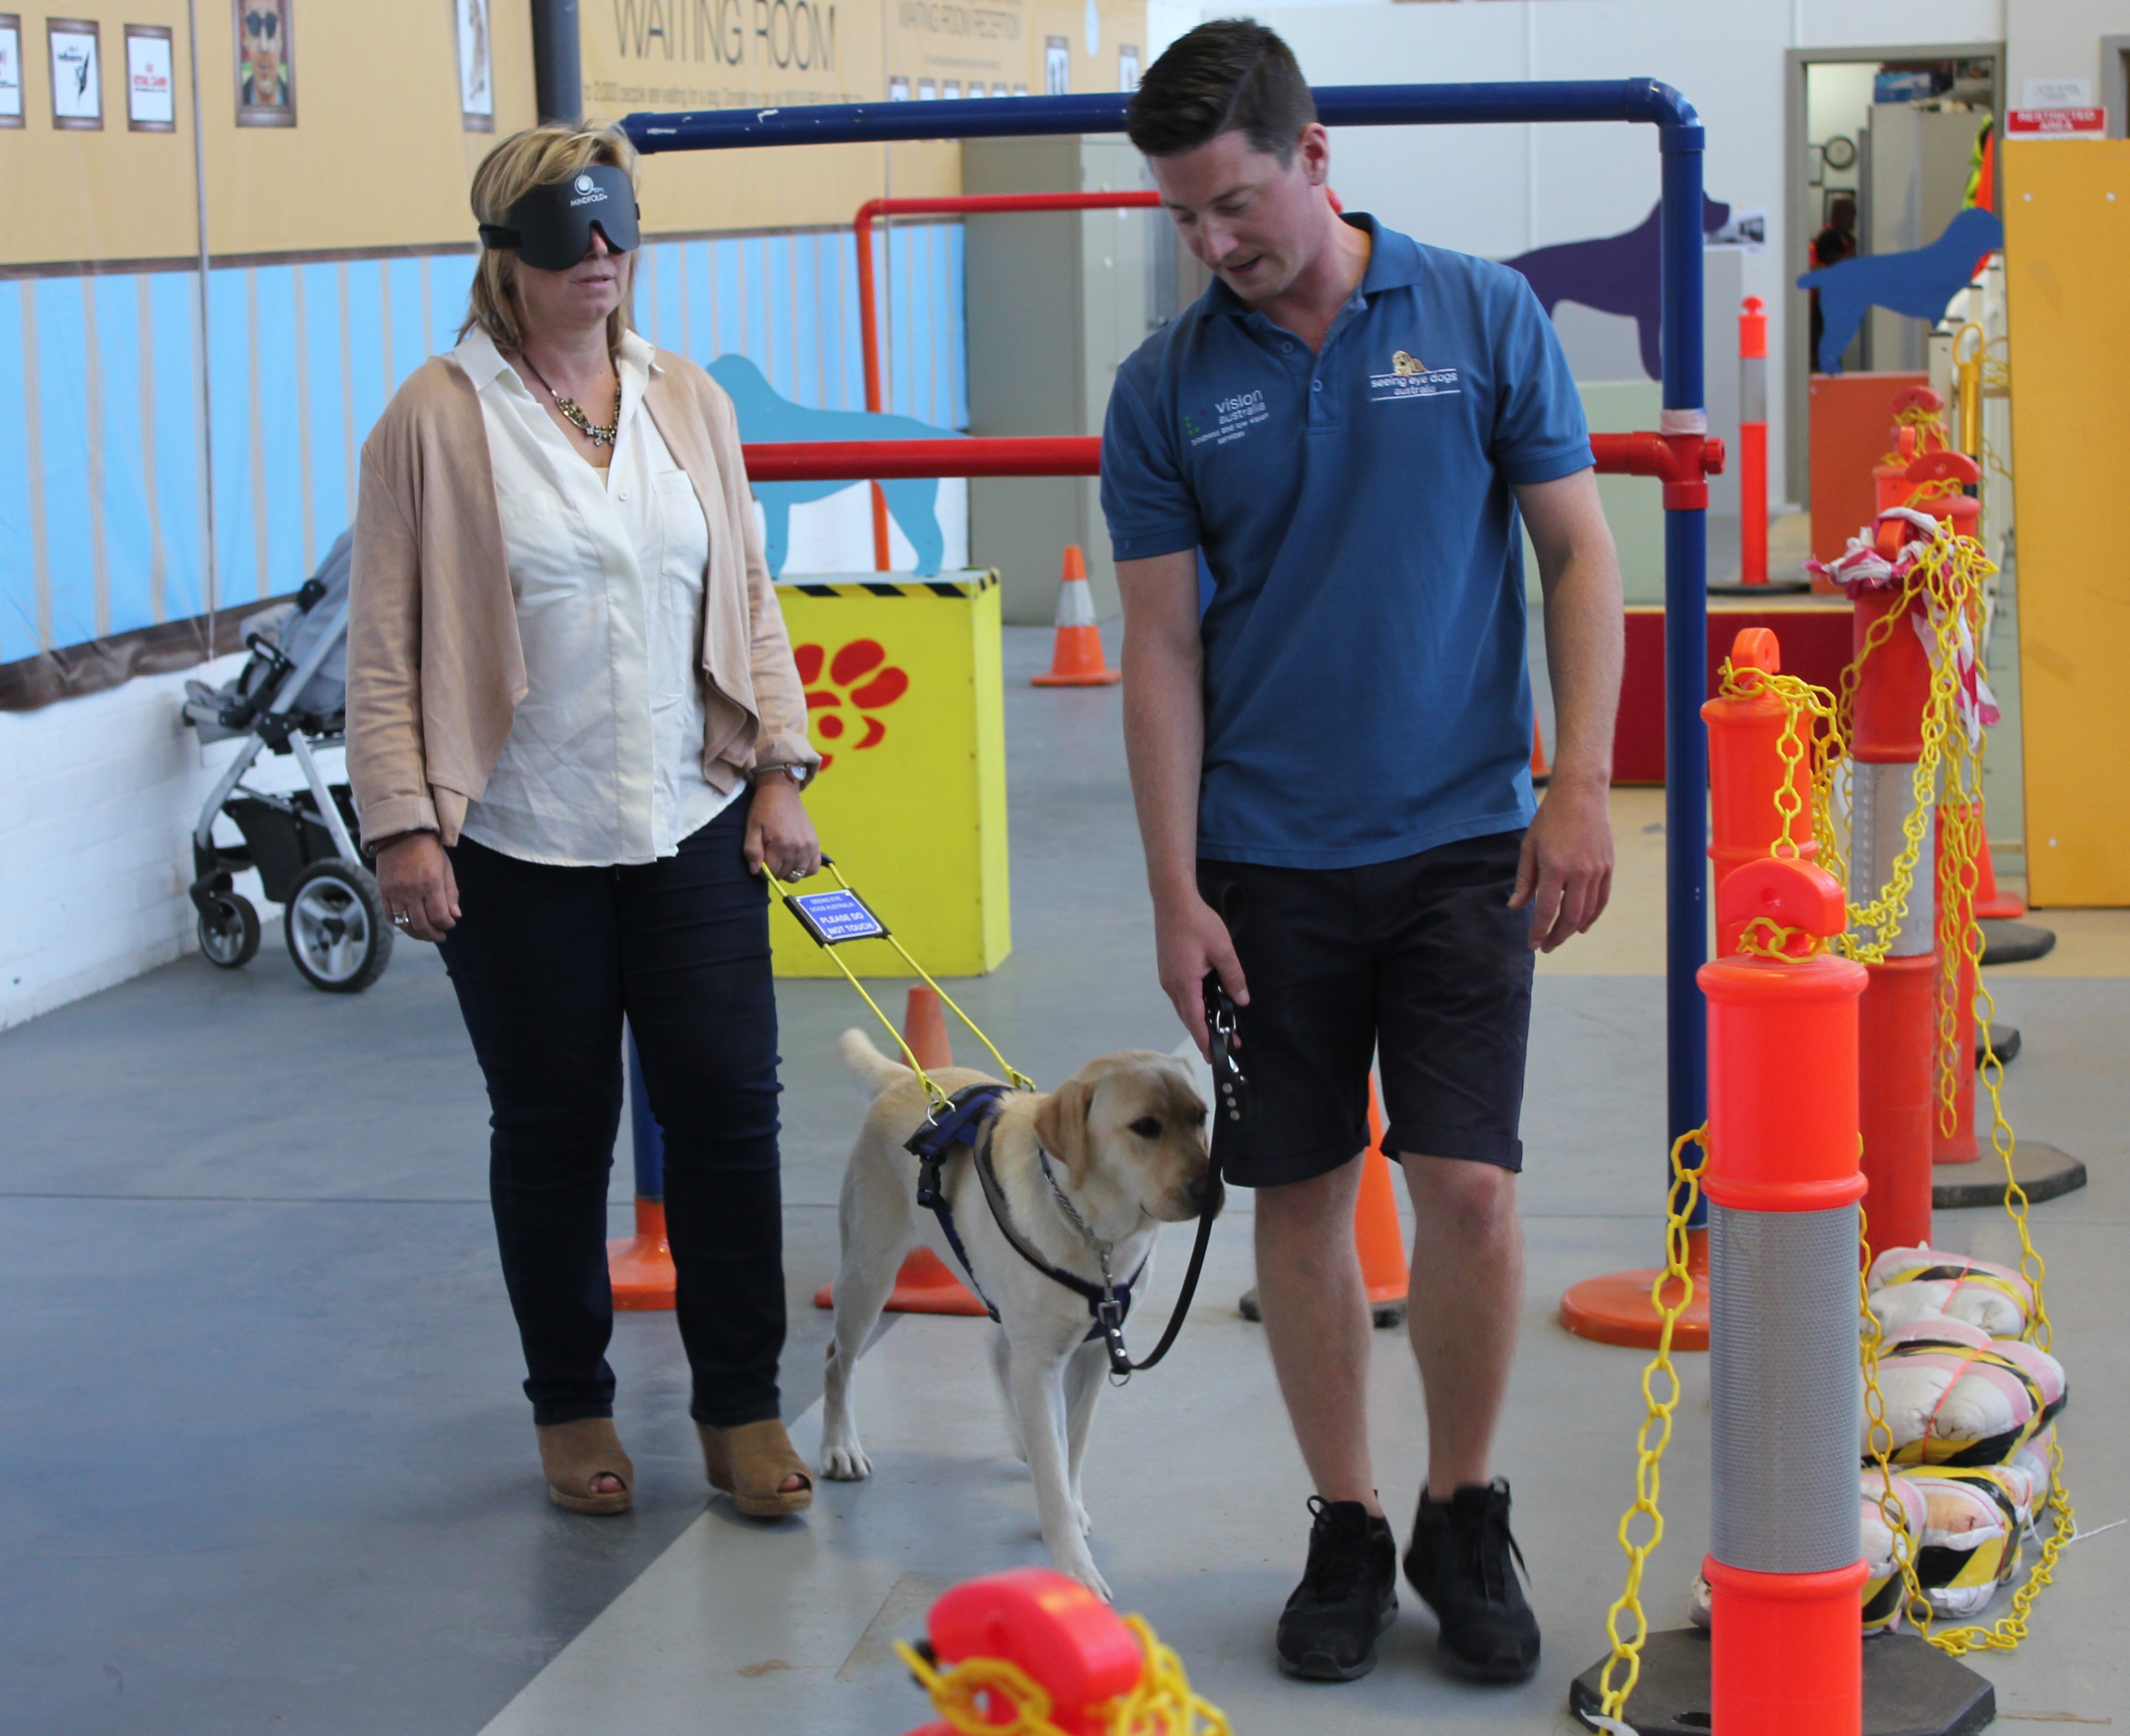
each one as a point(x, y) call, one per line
point(290, 697)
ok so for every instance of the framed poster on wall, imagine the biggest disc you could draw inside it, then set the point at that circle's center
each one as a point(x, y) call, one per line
point(77, 74)
point(476, 74)
point(1056, 66)
point(266, 63)
point(11, 68)
point(151, 104)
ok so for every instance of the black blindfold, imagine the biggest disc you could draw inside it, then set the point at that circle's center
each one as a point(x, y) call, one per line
point(551, 225)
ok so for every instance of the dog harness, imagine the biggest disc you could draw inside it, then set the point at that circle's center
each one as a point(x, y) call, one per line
point(970, 1115)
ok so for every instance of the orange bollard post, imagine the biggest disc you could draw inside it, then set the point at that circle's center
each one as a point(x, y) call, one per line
point(1747, 772)
point(639, 1268)
point(925, 1284)
point(1076, 657)
point(1753, 442)
point(1786, 1563)
point(1898, 1021)
point(1378, 1237)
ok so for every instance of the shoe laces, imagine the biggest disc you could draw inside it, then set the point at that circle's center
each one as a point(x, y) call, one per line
point(1338, 1559)
point(1491, 1545)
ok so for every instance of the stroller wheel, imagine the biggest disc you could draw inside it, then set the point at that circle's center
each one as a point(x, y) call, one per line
point(335, 928)
point(231, 939)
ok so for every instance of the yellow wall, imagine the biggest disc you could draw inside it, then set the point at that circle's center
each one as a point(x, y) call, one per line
point(2067, 260)
point(379, 156)
point(719, 54)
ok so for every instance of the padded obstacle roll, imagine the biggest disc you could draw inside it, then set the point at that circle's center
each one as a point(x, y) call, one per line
point(1785, 1393)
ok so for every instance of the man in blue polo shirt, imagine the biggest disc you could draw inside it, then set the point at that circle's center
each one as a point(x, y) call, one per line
point(1332, 775)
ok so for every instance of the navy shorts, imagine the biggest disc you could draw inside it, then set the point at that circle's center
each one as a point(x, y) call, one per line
point(1418, 964)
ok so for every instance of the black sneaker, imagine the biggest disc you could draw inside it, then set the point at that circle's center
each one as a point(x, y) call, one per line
point(1348, 1594)
point(1460, 1564)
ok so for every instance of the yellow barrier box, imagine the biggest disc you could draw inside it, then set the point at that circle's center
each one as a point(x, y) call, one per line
point(906, 703)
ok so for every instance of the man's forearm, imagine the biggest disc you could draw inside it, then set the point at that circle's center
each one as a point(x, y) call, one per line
point(1164, 738)
point(1584, 648)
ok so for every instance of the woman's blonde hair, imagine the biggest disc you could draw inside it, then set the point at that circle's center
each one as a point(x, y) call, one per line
point(540, 157)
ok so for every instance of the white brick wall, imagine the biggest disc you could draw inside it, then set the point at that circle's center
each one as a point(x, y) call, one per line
point(98, 799)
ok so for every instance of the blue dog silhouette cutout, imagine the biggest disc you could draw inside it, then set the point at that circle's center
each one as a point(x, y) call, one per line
point(1920, 284)
point(1615, 273)
point(765, 417)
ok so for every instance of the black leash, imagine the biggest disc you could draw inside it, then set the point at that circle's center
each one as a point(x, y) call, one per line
point(1227, 1085)
point(968, 1120)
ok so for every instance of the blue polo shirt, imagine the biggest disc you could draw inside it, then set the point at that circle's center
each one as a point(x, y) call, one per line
point(1366, 696)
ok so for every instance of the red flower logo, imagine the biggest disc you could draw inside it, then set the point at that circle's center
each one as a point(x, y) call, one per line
point(865, 685)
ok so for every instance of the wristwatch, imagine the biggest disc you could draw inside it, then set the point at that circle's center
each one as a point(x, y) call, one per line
point(801, 776)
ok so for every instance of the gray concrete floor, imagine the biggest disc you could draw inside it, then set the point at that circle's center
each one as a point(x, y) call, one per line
point(267, 1466)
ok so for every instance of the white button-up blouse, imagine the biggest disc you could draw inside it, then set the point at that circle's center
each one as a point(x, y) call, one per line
point(603, 762)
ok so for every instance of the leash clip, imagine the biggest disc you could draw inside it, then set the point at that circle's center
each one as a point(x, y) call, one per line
point(928, 1196)
point(1229, 1080)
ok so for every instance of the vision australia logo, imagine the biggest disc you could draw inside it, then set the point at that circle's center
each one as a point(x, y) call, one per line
point(1229, 420)
point(1410, 377)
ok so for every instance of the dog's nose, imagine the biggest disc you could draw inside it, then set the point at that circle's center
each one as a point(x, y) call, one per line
point(1207, 1192)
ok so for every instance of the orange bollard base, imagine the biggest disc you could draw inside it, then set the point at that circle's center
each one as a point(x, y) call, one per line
point(926, 1285)
point(640, 1267)
point(1897, 1040)
point(1617, 1308)
point(1910, 1688)
point(1786, 1650)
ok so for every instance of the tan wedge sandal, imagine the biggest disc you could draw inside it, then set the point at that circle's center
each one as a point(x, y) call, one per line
point(574, 1455)
point(750, 1463)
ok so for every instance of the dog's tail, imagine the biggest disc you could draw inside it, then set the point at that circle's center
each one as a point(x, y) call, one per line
point(873, 1068)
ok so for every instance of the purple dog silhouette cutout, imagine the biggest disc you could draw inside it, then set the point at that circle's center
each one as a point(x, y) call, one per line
point(1615, 274)
point(1920, 284)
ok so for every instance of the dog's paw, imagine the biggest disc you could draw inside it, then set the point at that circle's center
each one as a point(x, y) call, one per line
point(1090, 1575)
point(1080, 1512)
point(845, 1463)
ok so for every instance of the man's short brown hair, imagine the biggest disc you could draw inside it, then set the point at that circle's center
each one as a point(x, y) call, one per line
point(1232, 75)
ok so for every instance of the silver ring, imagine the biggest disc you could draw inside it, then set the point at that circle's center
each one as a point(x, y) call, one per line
point(400, 918)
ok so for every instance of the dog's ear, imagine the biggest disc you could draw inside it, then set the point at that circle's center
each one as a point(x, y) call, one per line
point(1061, 1125)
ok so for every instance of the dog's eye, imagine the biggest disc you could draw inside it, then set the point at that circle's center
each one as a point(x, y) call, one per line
point(1147, 1126)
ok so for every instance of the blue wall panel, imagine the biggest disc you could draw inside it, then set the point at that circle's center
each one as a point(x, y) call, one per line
point(279, 466)
point(128, 538)
point(173, 338)
point(330, 507)
point(237, 546)
point(63, 428)
point(18, 567)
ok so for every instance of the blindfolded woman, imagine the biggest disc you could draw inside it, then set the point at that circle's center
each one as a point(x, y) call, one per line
point(577, 739)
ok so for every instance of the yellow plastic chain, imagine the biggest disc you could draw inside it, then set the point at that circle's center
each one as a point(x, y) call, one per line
point(1660, 1393)
point(970, 1695)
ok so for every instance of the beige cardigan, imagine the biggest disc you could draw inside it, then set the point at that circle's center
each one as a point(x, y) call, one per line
point(435, 668)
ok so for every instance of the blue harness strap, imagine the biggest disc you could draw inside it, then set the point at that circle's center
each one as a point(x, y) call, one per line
point(968, 1117)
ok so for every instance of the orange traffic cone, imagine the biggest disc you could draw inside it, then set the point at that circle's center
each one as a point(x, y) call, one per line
point(1989, 903)
point(1075, 661)
point(1540, 771)
point(639, 1268)
point(924, 1285)
point(1378, 1237)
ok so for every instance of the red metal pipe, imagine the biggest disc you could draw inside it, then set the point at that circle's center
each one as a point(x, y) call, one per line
point(1080, 455)
point(958, 204)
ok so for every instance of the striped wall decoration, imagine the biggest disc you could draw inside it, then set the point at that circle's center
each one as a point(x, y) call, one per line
point(103, 514)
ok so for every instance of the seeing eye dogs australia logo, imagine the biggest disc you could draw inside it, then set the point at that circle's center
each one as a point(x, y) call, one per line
point(1232, 418)
point(1410, 377)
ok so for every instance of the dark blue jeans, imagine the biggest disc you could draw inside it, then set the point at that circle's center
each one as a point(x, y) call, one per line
point(548, 962)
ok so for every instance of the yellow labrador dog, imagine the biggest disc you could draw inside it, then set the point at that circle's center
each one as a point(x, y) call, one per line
point(1125, 1138)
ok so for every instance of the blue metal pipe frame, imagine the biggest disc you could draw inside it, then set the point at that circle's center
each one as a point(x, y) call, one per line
point(1680, 142)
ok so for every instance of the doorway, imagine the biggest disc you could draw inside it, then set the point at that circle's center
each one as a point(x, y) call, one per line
point(1880, 143)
